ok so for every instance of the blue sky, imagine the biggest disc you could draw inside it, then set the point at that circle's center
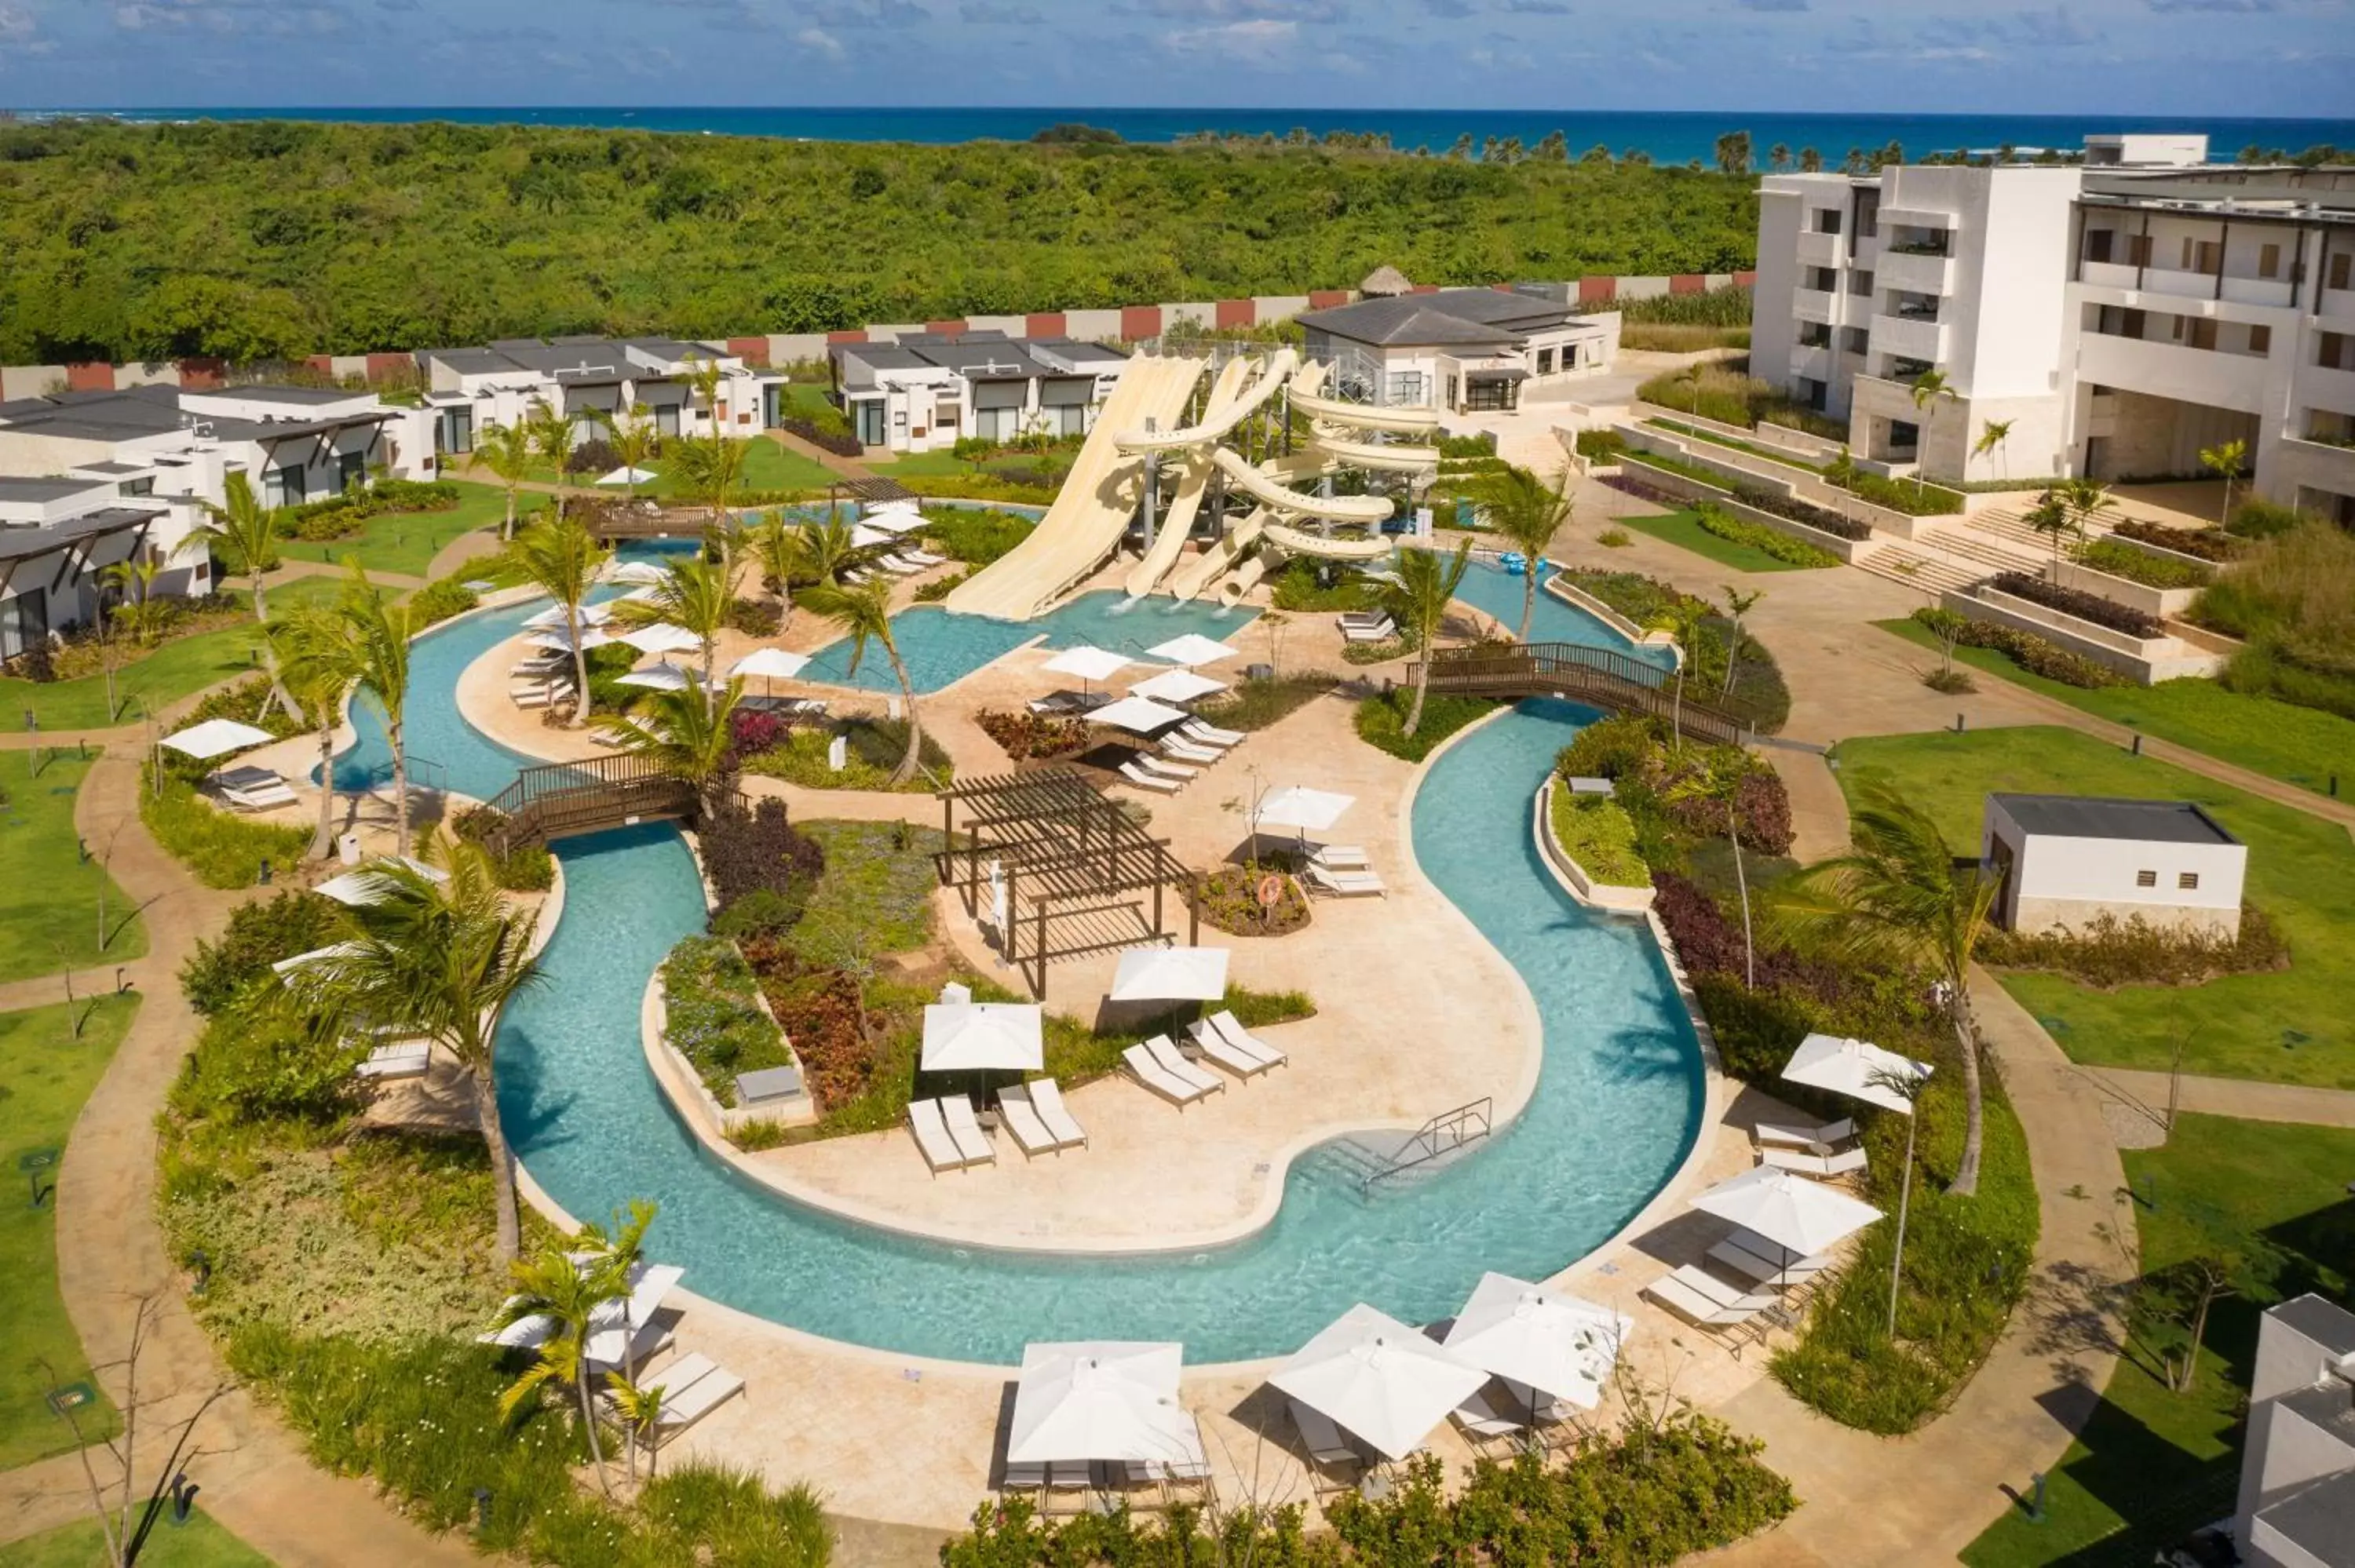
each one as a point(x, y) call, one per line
point(2276, 58)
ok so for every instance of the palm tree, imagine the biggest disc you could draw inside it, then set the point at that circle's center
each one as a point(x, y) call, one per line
point(552, 1286)
point(778, 553)
point(623, 1249)
point(1992, 435)
point(633, 438)
point(692, 595)
point(828, 547)
point(562, 557)
point(379, 633)
point(1737, 605)
point(1686, 618)
point(641, 1410)
point(709, 472)
point(1780, 153)
point(551, 442)
point(1896, 898)
point(1418, 600)
point(2225, 462)
point(1929, 389)
point(1527, 510)
point(242, 524)
point(508, 450)
point(2087, 497)
point(321, 660)
point(2051, 515)
point(864, 611)
point(438, 959)
point(689, 735)
point(1690, 376)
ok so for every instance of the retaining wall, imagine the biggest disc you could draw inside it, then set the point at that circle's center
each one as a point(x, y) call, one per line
point(2160, 602)
point(2144, 659)
point(1686, 488)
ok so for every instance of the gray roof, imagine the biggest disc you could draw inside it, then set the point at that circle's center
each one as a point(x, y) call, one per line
point(41, 492)
point(2094, 817)
point(299, 396)
point(1449, 316)
point(2320, 1520)
point(2325, 1322)
point(19, 544)
point(109, 466)
point(99, 415)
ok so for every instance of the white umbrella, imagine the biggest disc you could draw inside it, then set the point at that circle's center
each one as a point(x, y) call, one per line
point(217, 737)
point(1088, 663)
point(1297, 805)
point(770, 662)
point(663, 677)
point(1856, 1068)
point(357, 887)
point(893, 518)
point(1140, 716)
point(1526, 1334)
point(553, 616)
point(639, 572)
point(864, 537)
point(1384, 1382)
point(1005, 1036)
point(338, 950)
point(662, 637)
point(1807, 1217)
point(590, 637)
point(1177, 687)
point(628, 476)
point(1192, 648)
point(1099, 1400)
point(1170, 974)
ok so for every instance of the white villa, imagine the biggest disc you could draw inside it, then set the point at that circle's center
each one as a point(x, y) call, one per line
point(2121, 315)
point(2065, 860)
point(1467, 350)
point(58, 536)
point(469, 389)
point(927, 391)
point(2296, 1506)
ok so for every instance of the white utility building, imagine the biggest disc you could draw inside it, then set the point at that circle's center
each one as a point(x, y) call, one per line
point(1465, 350)
point(926, 391)
point(2066, 859)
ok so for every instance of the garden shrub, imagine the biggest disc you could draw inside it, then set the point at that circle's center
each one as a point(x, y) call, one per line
point(1708, 940)
point(801, 757)
point(1381, 721)
point(223, 850)
point(837, 440)
point(2109, 952)
point(1382, 652)
point(1602, 446)
point(1478, 444)
point(1729, 396)
point(1230, 902)
point(2122, 560)
point(1756, 1031)
point(2037, 655)
point(2078, 603)
point(1772, 542)
point(2208, 544)
point(2257, 518)
point(439, 600)
point(940, 587)
point(246, 700)
point(1260, 702)
point(975, 536)
point(1597, 834)
point(527, 868)
point(762, 912)
point(755, 616)
point(1816, 517)
point(1026, 735)
point(1313, 588)
point(259, 1065)
point(2293, 598)
point(713, 1017)
point(338, 517)
point(1899, 495)
point(1653, 777)
point(259, 933)
point(758, 849)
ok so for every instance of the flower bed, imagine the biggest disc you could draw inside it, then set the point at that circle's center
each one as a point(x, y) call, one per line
point(2037, 655)
point(2084, 606)
point(816, 434)
point(1770, 542)
point(713, 1017)
point(2208, 544)
point(1028, 735)
point(1230, 902)
point(1597, 832)
point(1814, 517)
point(2110, 952)
point(2123, 560)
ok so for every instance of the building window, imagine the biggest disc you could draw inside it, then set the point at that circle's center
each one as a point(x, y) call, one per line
point(1545, 362)
point(2145, 879)
point(282, 487)
point(1822, 279)
point(1859, 281)
point(2187, 880)
point(2261, 339)
point(2333, 351)
point(2097, 244)
point(2340, 265)
point(146, 486)
point(455, 430)
point(2268, 260)
point(1855, 340)
point(1406, 389)
point(2139, 251)
point(351, 469)
point(1828, 220)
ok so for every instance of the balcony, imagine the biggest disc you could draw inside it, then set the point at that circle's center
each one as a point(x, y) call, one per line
point(2171, 370)
point(2275, 292)
point(2110, 274)
point(1914, 274)
point(1916, 217)
point(1816, 305)
point(1821, 249)
point(1814, 364)
point(2314, 465)
point(2320, 386)
point(1909, 337)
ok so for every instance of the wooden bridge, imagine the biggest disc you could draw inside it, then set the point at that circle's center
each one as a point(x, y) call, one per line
point(559, 800)
point(1595, 675)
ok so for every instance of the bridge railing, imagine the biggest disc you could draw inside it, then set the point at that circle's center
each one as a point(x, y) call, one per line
point(1608, 678)
point(550, 800)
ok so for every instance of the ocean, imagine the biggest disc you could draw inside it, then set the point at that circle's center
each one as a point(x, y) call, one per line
point(1665, 137)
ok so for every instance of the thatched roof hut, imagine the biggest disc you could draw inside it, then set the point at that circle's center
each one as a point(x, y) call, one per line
point(1385, 282)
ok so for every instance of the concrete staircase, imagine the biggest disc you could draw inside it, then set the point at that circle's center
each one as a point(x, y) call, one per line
point(1920, 566)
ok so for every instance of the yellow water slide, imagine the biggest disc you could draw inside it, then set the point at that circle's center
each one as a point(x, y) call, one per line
point(1190, 579)
point(1359, 509)
point(1093, 511)
point(1192, 479)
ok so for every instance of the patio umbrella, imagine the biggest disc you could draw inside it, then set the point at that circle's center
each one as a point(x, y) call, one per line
point(1297, 805)
point(338, 950)
point(1384, 1382)
point(1192, 648)
point(662, 637)
point(1088, 663)
point(1139, 716)
point(1003, 1036)
point(1170, 974)
point(217, 737)
point(1857, 1068)
point(359, 887)
point(590, 637)
point(641, 573)
point(663, 677)
point(1526, 1334)
point(1099, 1400)
point(894, 517)
point(628, 476)
point(1807, 1217)
point(866, 537)
point(1177, 687)
point(553, 617)
point(770, 662)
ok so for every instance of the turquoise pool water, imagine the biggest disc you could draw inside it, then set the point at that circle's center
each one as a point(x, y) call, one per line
point(1491, 589)
point(941, 648)
point(1614, 1111)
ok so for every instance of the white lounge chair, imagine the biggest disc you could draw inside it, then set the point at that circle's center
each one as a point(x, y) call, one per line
point(965, 1128)
point(1759, 1260)
point(1165, 767)
point(1341, 857)
point(402, 1059)
point(923, 557)
point(1705, 1301)
point(1191, 1464)
point(1365, 618)
point(1480, 1420)
point(933, 1140)
point(1215, 1047)
point(252, 789)
point(1173, 1061)
point(1326, 1444)
point(1186, 751)
point(692, 1388)
point(1148, 1071)
point(1154, 781)
point(1205, 733)
point(1030, 1478)
point(1242, 1039)
point(1823, 1167)
point(1024, 1112)
point(1822, 1140)
point(1381, 630)
point(1344, 883)
point(1047, 1099)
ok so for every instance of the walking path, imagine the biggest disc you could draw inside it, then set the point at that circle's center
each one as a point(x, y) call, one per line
point(2243, 1099)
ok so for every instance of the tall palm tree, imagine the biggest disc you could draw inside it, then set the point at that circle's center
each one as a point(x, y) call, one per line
point(438, 959)
point(1737, 605)
point(623, 1249)
point(1992, 435)
point(242, 524)
point(320, 657)
point(1418, 600)
point(561, 558)
point(2087, 498)
point(551, 1285)
point(693, 596)
point(633, 437)
point(709, 472)
point(2226, 460)
point(864, 610)
point(689, 735)
point(509, 451)
point(1929, 389)
point(828, 547)
point(2051, 515)
point(1527, 510)
point(778, 553)
point(551, 442)
point(379, 633)
point(1897, 898)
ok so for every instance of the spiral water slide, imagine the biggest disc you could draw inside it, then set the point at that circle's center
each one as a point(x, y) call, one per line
point(1192, 477)
point(1098, 499)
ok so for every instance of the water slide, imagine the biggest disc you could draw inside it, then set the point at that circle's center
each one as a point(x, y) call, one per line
point(1188, 580)
point(1098, 499)
point(1359, 509)
point(1192, 478)
point(1219, 420)
point(1397, 422)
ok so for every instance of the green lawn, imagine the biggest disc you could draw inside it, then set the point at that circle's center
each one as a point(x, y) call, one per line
point(2305, 746)
point(1683, 529)
point(2152, 1464)
point(199, 1544)
point(49, 899)
point(768, 465)
point(935, 463)
point(406, 542)
point(2290, 1026)
point(45, 1076)
point(184, 666)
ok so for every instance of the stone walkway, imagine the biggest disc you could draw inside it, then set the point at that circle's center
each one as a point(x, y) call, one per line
point(2243, 1099)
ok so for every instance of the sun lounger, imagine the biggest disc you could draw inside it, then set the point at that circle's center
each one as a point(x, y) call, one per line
point(1030, 1477)
point(692, 1388)
point(1038, 1119)
point(1824, 1166)
point(900, 566)
point(1167, 769)
point(1208, 733)
point(1189, 1465)
point(1215, 1045)
point(965, 1129)
point(1326, 1444)
point(1344, 883)
point(1821, 1140)
point(1365, 617)
point(1480, 1420)
point(1770, 1264)
point(1380, 630)
point(404, 1059)
point(1186, 751)
point(1707, 1301)
point(1047, 1099)
point(923, 557)
point(1173, 1061)
point(1340, 857)
point(1068, 1484)
point(648, 1340)
point(933, 1140)
point(252, 789)
point(1231, 1028)
point(1179, 1092)
point(1143, 781)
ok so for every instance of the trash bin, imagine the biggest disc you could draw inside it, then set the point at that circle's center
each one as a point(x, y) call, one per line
point(348, 849)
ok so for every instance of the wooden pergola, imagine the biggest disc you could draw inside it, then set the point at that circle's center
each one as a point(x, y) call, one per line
point(1080, 876)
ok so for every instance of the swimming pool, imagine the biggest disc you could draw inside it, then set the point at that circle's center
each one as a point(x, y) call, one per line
point(941, 648)
point(1491, 589)
point(1616, 1107)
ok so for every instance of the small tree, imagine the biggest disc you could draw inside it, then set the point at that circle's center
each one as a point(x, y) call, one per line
point(1929, 389)
point(243, 523)
point(508, 450)
point(1737, 605)
point(692, 595)
point(322, 662)
point(1418, 599)
point(1527, 511)
point(550, 1285)
point(2226, 462)
point(2051, 517)
point(1992, 435)
point(550, 430)
point(689, 735)
point(633, 438)
point(379, 633)
point(864, 611)
point(2087, 499)
point(1948, 626)
point(563, 559)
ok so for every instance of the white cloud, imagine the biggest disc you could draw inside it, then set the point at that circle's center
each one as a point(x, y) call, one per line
point(1261, 41)
point(819, 41)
